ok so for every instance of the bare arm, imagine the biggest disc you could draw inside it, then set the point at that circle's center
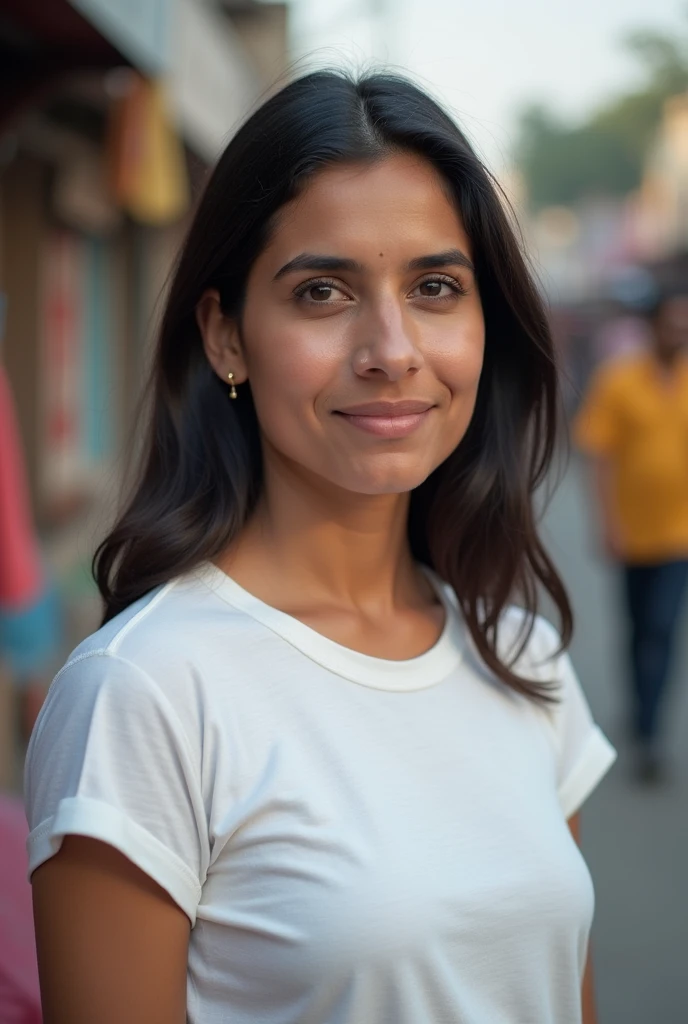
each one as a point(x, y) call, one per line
point(112, 945)
point(588, 996)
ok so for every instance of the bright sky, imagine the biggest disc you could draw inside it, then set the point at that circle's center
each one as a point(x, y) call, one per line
point(486, 58)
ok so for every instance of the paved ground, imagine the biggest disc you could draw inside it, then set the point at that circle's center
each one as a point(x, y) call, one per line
point(635, 840)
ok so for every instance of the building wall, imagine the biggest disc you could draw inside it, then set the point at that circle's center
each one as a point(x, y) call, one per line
point(22, 188)
point(84, 280)
point(264, 36)
point(660, 210)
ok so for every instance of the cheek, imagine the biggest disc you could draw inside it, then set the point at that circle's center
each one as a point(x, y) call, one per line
point(288, 370)
point(459, 361)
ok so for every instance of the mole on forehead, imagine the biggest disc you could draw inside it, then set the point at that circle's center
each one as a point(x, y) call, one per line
point(382, 254)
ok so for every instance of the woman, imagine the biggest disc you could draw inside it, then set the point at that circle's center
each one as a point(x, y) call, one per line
point(315, 767)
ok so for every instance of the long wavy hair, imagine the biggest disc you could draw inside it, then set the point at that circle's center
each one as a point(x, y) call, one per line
point(473, 520)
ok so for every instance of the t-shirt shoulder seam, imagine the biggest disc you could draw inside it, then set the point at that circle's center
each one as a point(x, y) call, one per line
point(115, 643)
point(100, 652)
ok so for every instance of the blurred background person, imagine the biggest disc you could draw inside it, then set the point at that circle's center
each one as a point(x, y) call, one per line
point(634, 426)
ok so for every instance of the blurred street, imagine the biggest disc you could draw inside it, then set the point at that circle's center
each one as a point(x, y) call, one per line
point(635, 839)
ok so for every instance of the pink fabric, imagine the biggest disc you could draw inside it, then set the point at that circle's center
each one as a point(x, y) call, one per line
point(21, 577)
point(20, 1001)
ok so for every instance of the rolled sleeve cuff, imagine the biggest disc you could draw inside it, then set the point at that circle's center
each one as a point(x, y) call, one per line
point(596, 759)
point(87, 817)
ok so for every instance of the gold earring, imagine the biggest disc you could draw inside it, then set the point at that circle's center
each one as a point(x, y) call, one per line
point(232, 388)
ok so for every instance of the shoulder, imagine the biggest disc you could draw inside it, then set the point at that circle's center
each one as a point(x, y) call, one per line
point(528, 642)
point(174, 621)
point(157, 670)
point(544, 639)
point(540, 655)
point(170, 644)
point(533, 645)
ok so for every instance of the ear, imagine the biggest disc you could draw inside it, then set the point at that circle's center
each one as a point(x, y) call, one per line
point(221, 338)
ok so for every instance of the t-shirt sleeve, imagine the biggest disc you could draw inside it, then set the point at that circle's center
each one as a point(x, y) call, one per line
point(110, 759)
point(583, 753)
point(596, 428)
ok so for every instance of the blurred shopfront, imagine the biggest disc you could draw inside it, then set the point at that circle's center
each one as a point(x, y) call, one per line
point(110, 113)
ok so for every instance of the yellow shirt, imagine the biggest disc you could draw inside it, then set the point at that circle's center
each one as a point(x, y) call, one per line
point(639, 420)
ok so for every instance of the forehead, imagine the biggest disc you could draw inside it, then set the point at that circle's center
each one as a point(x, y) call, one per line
point(398, 205)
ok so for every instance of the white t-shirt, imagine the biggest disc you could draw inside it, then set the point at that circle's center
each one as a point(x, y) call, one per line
point(355, 841)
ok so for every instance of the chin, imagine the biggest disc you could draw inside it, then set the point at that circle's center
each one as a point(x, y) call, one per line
point(390, 482)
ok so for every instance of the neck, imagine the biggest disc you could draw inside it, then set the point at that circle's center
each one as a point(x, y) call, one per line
point(338, 547)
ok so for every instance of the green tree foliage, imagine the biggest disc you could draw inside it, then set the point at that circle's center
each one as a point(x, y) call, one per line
point(604, 155)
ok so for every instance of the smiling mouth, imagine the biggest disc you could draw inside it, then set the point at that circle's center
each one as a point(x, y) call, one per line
point(390, 420)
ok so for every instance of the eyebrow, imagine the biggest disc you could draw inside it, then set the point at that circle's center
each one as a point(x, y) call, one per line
point(331, 264)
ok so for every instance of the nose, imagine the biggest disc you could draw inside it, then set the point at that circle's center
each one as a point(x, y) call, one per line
point(387, 343)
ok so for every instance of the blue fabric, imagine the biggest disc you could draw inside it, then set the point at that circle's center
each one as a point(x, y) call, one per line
point(30, 637)
point(654, 594)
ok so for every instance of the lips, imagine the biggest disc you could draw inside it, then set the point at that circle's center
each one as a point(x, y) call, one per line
point(387, 409)
point(391, 420)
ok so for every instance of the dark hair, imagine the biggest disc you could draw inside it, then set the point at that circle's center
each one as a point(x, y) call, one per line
point(473, 519)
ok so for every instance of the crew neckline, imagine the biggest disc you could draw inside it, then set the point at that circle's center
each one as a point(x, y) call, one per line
point(418, 673)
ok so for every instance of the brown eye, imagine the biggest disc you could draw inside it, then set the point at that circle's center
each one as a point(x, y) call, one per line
point(319, 293)
point(439, 288)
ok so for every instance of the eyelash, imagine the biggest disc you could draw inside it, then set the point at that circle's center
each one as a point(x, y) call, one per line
point(451, 282)
point(321, 282)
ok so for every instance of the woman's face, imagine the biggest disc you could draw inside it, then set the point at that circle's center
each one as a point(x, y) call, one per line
point(362, 333)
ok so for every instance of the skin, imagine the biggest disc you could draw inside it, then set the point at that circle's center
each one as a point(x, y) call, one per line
point(327, 544)
point(112, 945)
